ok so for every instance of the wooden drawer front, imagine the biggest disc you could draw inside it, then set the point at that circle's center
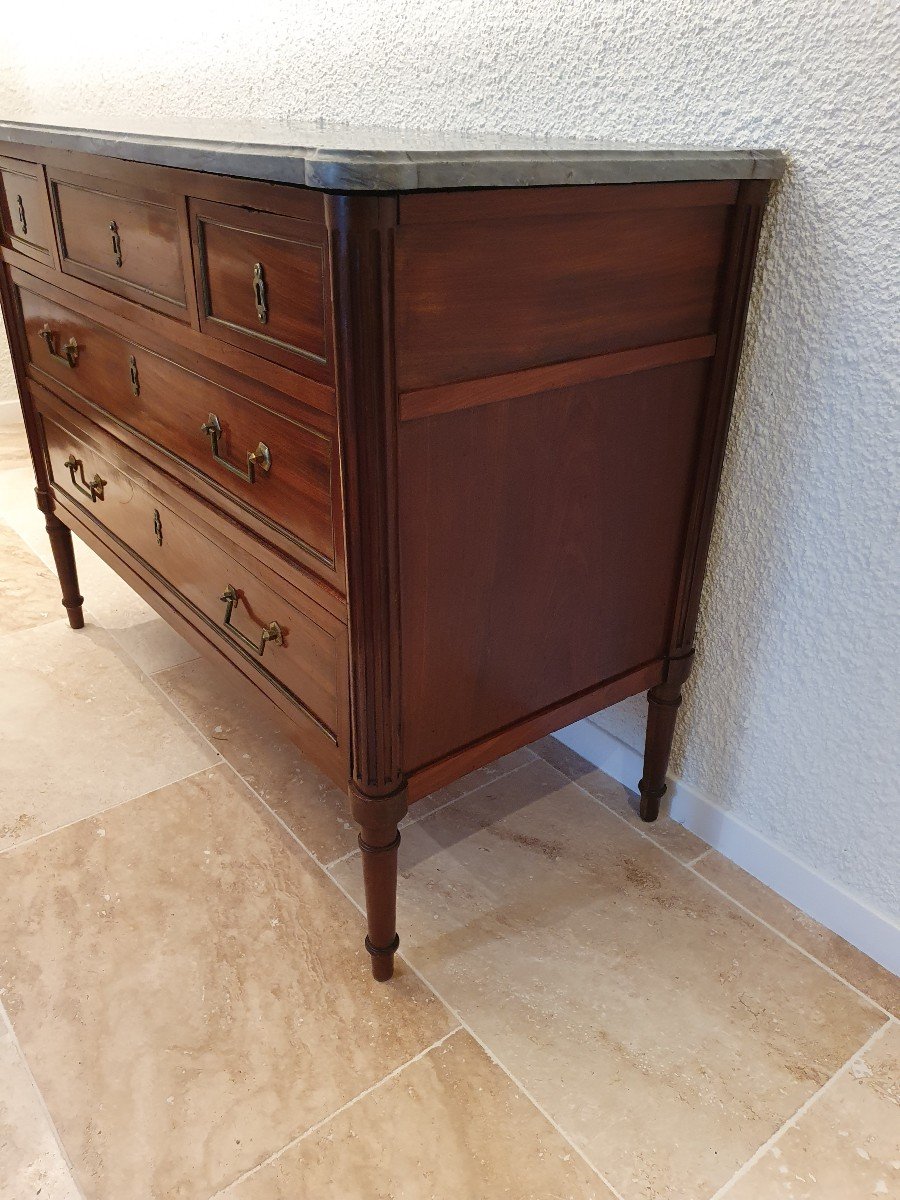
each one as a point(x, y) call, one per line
point(200, 565)
point(24, 212)
point(261, 282)
point(169, 405)
point(122, 238)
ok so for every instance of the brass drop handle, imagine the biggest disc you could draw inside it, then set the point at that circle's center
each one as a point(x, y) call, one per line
point(257, 460)
point(116, 243)
point(268, 633)
point(135, 378)
point(92, 488)
point(259, 293)
point(69, 355)
point(23, 224)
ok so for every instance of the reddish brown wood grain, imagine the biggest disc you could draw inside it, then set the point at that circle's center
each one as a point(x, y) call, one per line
point(540, 548)
point(229, 243)
point(171, 405)
point(198, 563)
point(25, 223)
point(146, 232)
point(482, 298)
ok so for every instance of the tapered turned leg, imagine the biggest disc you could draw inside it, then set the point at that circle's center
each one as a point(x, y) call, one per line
point(380, 878)
point(64, 556)
point(663, 703)
point(379, 841)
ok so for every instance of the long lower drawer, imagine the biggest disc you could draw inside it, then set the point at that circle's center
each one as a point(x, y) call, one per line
point(258, 616)
point(280, 468)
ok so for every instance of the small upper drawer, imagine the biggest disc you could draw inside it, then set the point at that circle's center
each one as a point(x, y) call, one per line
point(24, 214)
point(261, 282)
point(122, 238)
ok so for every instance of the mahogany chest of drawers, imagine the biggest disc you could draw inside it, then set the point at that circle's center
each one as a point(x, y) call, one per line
point(423, 440)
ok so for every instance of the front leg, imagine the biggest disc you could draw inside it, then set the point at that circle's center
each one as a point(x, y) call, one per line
point(379, 841)
point(663, 702)
point(60, 536)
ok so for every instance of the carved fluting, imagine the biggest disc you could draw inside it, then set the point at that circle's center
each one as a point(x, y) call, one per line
point(361, 236)
point(732, 316)
point(361, 231)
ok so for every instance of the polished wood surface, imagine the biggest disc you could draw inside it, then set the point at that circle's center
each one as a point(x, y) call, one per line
point(199, 564)
point(24, 213)
point(169, 405)
point(494, 425)
point(487, 296)
point(122, 238)
point(244, 257)
point(526, 519)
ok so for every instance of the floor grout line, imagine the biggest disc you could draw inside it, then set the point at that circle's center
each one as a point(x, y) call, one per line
point(689, 866)
point(693, 861)
point(490, 1053)
point(102, 812)
point(804, 1108)
point(337, 1112)
point(42, 1103)
point(440, 808)
point(794, 945)
point(462, 1025)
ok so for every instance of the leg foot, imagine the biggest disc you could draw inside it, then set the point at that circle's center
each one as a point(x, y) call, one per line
point(378, 817)
point(379, 854)
point(64, 556)
point(663, 702)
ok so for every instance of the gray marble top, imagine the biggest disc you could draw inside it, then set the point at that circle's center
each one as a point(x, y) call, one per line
point(354, 158)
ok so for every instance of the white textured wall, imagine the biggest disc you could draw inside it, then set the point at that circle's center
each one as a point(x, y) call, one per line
point(791, 716)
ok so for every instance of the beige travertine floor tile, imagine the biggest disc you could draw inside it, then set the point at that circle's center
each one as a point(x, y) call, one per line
point(107, 598)
point(191, 991)
point(854, 966)
point(81, 730)
point(19, 510)
point(469, 783)
point(13, 445)
point(31, 1164)
point(846, 1146)
point(664, 831)
point(248, 735)
point(29, 591)
point(665, 1031)
point(451, 1126)
point(115, 605)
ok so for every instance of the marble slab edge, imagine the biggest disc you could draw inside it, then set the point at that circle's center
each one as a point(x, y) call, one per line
point(407, 171)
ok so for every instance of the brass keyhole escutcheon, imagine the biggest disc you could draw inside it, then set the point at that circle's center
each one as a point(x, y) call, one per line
point(116, 243)
point(259, 293)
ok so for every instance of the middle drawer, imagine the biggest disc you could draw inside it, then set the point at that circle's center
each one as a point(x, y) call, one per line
point(277, 466)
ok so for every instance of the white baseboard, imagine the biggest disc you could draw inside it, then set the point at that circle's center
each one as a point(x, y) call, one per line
point(822, 899)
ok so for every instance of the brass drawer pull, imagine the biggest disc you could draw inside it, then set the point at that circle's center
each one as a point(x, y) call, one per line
point(94, 488)
point(268, 633)
point(135, 378)
point(69, 355)
point(257, 460)
point(259, 293)
point(116, 242)
point(157, 526)
point(23, 224)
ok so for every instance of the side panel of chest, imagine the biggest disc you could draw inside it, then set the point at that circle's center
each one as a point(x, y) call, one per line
point(554, 356)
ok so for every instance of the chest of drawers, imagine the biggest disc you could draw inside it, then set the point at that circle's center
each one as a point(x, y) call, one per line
point(423, 440)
